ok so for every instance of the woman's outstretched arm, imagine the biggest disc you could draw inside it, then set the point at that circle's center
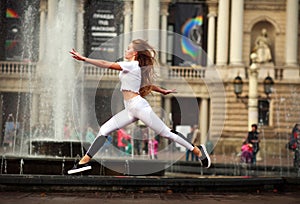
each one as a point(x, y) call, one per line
point(96, 62)
point(161, 90)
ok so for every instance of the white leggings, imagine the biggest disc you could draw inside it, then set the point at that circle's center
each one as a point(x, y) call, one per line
point(137, 108)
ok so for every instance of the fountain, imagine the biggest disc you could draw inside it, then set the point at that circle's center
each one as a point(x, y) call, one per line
point(56, 81)
point(41, 132)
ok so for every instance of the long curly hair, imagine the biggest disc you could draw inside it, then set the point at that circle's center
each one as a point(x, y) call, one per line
point(146, 56)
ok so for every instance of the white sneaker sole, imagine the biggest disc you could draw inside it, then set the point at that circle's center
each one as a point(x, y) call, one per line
point(207, 156)
point(74, 171)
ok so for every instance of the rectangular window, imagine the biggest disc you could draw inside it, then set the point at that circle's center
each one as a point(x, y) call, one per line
point(263, 112)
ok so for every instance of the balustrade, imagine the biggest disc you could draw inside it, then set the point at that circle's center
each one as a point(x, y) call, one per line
point(188, 73)
point(25, 69)
point(17, 68)
point(91, 72)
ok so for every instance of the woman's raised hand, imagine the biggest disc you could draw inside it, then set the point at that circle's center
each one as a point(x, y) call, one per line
point(76, 55)
point(168, 91)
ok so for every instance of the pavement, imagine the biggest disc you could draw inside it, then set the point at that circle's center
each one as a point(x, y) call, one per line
point(27, 189)
point(45, 189)
point(148, 198)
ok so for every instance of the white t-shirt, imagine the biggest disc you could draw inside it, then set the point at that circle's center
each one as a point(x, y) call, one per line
point(130, 76)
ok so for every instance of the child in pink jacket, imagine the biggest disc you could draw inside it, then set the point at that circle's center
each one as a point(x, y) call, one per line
point(153, 148)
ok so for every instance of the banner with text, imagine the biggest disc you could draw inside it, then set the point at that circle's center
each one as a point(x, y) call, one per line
point(103, 23)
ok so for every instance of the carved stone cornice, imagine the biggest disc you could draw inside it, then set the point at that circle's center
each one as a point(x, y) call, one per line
point(271, 5)
point(128, 7)
point(80, 6)
point(43, 6)
point(164, 7)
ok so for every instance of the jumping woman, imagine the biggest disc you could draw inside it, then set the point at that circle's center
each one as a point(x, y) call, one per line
point(136, 75)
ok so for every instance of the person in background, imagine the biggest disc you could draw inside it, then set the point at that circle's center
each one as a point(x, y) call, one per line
point(296, 145)
point(123, 138)
point(153, 148)
point(196, 140)
point(128, 148)
point(246, 153)
point(9, 132)
point(189, 138)
point(89, 136)
point(145, 141)
point(137, 136)
point(253, 139)
point(67, 131)
point(107, 147)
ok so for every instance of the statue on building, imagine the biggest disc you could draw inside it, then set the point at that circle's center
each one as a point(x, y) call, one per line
point(262, 47)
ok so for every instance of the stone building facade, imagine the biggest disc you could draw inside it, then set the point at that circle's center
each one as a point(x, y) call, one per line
point(233, 29)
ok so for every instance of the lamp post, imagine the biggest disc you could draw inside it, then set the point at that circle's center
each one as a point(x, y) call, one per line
point(253, 96)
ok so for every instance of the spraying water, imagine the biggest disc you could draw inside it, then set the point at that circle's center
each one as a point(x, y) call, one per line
point(44, 108)
point(57, 67)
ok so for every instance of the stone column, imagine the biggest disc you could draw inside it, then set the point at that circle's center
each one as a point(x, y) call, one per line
point(80, 49)
point(35, 112)
point(164, 30)
point(49, 19)
point(127, 22)
point(34, 118)
point(50, 22)
point(203, 119)
point(43, 8)
point(138, 18)
point(167, 110)
point(153, 23)
point(236, 33)
point(211, 38)
point(222, 32)
point(291, 48)
point(253, 95)
point(80, 26)
point(52, 11)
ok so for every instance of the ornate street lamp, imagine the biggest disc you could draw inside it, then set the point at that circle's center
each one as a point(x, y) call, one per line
point(268, 85)
point(238, 86)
